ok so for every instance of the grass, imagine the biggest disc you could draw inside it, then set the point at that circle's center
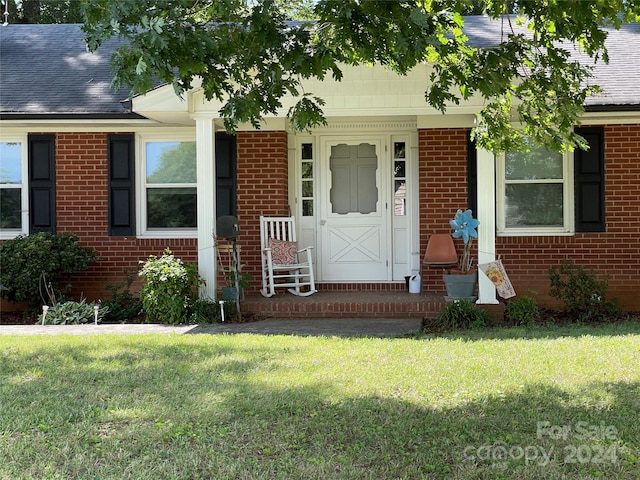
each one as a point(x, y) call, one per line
point(533, 403)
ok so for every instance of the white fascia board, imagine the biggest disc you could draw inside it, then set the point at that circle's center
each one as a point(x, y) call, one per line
point(608, 118)
point(163, 105)
point(84, 125)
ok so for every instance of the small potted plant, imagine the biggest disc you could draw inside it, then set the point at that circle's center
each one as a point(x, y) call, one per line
point(229, 293)
point(461, 281)
point(233, 290)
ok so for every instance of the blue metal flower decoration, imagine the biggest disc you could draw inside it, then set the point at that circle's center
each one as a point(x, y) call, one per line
point(464, 225)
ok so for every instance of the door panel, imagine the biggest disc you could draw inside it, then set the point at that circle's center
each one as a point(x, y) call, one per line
point(353, 220)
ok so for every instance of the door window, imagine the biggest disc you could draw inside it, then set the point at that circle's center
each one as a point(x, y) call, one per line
point(353, 178)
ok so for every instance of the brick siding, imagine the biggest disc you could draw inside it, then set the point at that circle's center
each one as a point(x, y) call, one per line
point(615, 253)
point(82, 208)
point(442, 166)
point(262, 186)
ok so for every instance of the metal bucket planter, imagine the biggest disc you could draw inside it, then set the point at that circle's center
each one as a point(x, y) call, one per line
point(461, 285)
point(231, 294)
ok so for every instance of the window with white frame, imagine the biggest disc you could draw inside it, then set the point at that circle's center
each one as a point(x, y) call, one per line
point(535, 192)
point(12, 189)
point(169, 202)
point(307, 178)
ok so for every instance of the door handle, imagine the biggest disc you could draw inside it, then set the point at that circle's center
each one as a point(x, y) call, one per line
point(323, 222)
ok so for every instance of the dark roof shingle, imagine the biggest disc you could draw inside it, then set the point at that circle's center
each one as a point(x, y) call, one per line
point(46, 69)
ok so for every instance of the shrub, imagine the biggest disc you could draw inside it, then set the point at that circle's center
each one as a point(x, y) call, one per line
point(461, 314)
point(122, 304)
point(522, 311)
point(31, 263)
point(582, 293)
point(73, 313)
point(170, 288)
point(206, 312)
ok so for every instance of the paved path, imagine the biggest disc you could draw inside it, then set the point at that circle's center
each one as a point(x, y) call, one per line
point(343, 327)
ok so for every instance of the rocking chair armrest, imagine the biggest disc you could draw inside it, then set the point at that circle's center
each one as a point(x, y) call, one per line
point(310, 247)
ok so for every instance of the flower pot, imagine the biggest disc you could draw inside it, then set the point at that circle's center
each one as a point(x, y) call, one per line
point(230, 294)
point(460, 285)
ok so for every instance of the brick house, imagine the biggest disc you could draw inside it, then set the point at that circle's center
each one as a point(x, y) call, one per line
point(132, 177)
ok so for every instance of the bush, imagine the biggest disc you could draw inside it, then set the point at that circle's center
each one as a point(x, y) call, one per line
point(170, 288)
point(522, 311)
point(206, 312)
point(73, 313)
point(29, 264)
point(582, 293)
point(122, 304)
point(461, 314)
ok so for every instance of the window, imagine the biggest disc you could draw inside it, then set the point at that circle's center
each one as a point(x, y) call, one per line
point(12, 189)
point(169, 188)
point(399, 178)
point(535, 193)
point(307, 179)
point(354, 187)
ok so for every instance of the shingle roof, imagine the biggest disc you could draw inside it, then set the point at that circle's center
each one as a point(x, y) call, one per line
point(619, 78)
point(46, 69)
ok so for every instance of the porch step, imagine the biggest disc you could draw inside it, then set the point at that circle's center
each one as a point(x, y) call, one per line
point(348, 304)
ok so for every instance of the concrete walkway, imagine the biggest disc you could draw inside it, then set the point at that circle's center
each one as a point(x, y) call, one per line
point(342, 327)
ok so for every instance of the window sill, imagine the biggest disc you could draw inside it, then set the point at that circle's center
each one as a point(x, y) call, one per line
point(169, 234)
point(535, 233)
point(10, 234)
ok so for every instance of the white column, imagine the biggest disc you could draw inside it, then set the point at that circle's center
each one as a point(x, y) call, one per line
point(487, 217)
point(206, 168)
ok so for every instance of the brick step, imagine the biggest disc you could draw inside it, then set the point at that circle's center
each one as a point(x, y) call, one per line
point(348, 304)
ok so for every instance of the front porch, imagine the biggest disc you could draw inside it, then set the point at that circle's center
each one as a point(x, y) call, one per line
point(346, 301)
point(354, 300)
point(332, 304)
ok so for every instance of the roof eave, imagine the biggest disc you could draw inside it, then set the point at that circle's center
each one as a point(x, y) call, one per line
point(612, 108)
point(71, 116)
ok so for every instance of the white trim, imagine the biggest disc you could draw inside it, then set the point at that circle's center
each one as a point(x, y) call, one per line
point(206, 177)
point(450, 120)
point(486, 180)
point(141, 185)
point(567, 181)
point(23, 140)
point(611, 118)
point(87, 125)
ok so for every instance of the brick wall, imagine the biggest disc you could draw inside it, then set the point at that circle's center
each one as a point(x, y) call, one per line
point(81, 207)
point(262, 186)
point(262, 173)
point(616, 252)
point(442, 165)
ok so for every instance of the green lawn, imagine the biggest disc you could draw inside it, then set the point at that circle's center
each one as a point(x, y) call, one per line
point(527, 404)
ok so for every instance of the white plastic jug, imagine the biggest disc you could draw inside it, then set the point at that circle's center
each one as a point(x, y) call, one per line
point(415, 283)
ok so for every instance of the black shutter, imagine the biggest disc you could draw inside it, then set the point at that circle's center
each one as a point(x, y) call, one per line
point(472, 176)
point(121, 185)
point(42, 184)
point(589, 182)
point(225, 175)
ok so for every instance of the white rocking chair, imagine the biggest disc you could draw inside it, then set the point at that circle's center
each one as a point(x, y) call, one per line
point(283, 265)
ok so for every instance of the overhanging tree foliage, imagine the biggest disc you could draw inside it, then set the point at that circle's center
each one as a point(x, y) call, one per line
point(42, 11)
point(249, 56)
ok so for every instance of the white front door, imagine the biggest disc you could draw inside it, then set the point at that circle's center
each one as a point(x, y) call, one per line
point(354, 209)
